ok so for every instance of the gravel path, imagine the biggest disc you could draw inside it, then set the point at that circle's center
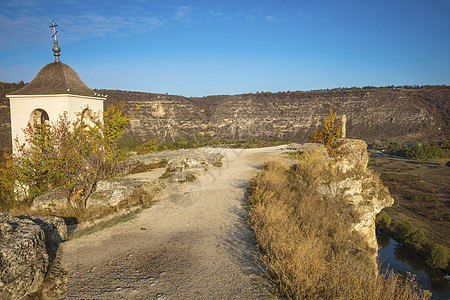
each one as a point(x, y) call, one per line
point(193, 243)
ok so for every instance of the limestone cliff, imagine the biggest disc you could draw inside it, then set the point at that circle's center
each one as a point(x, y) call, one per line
point(412, 114)
point(383, 114)
point(348, 178)
point(362, 188)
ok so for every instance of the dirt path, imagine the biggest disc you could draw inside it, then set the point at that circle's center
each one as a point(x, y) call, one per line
point(193, 243)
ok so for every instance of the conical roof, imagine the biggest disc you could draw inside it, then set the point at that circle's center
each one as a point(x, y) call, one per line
point(56, 78)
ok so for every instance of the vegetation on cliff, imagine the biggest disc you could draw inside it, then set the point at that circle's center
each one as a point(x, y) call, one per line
point(329, 134)
point(304, 236)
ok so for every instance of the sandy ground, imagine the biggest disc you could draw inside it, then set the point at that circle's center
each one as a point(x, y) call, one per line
point(194, 243)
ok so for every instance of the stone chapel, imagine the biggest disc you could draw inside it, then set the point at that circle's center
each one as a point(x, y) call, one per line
point(56, 89)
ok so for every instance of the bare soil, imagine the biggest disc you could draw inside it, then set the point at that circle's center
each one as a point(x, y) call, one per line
point(194, 243)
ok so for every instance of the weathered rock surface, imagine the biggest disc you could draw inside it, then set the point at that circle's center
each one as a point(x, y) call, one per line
point(177, 159)
point(53, 199)
point(413, 114)
point(362, 188)
point(382, 114)
point(183, 165)
point(28, 245)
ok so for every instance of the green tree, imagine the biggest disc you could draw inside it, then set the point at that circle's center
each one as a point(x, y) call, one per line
point(114, 124)
point(404, 229)
point(70, 155)
point(440, 256)
point(329, 134)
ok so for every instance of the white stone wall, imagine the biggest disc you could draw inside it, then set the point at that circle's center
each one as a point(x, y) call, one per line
point(22, 106)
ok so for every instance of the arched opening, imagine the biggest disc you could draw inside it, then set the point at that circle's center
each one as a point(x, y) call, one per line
point(39, 116)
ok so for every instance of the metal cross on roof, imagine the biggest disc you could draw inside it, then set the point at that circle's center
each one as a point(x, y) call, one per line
point(54, 29)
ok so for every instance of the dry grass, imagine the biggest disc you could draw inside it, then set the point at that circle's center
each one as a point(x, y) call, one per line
point(141, 197)
point(307, 246)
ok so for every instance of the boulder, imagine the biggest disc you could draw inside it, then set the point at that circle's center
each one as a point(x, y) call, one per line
point(27, 247)
point(110, 192)
point(53, 199)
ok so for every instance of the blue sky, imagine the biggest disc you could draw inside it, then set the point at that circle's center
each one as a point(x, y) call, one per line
point(209, 47)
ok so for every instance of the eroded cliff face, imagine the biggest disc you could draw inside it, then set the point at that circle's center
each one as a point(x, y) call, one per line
point(400, 115)
point(416, 114)
point(362, 188)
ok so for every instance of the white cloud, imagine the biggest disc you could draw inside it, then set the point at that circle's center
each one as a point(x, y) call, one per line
point(21, 3)
point(21, 31)
point(182, 11)
point(35, 31)
point(77, 27)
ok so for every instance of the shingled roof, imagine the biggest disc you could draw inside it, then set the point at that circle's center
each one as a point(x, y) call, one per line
point(56, 78)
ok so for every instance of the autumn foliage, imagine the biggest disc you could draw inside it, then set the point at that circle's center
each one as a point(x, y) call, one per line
point(71, 155)
point(329, 135)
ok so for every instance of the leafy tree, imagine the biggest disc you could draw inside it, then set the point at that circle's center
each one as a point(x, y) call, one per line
point(70, 155)
point(114, 123)
point(440, 256)
point(404, 229)
point(329, 135)
point(416, 239)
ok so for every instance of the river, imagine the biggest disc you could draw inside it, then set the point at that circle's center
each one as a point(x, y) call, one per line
point(397, 257)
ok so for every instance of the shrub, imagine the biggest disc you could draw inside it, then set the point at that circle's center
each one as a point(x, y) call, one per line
point(404, 229)
point(329, 135)
point(416, 240)
point(376, 144)
point(112, 129)
point(383, 220)
point(439, 257)
point(6, 180)
point(71, 155)
point(427, 152)
point(148, 147)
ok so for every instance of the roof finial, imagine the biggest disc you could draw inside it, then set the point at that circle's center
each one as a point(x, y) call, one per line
point(56, 49)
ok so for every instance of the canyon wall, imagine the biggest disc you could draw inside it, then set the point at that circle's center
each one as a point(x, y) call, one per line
point(385, 114)
point(373, 114)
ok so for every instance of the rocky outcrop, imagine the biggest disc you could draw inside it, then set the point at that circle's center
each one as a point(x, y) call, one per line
point(413, 114)
point(177, 159)
point(381, 114)
point(182, 166)
point(350, 179)
point(28, 246)
point(362, 188)
point(111, 192)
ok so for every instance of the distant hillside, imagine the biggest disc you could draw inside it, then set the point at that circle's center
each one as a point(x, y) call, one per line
point(387, 114)
point(5, 118)
point(400, 114)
